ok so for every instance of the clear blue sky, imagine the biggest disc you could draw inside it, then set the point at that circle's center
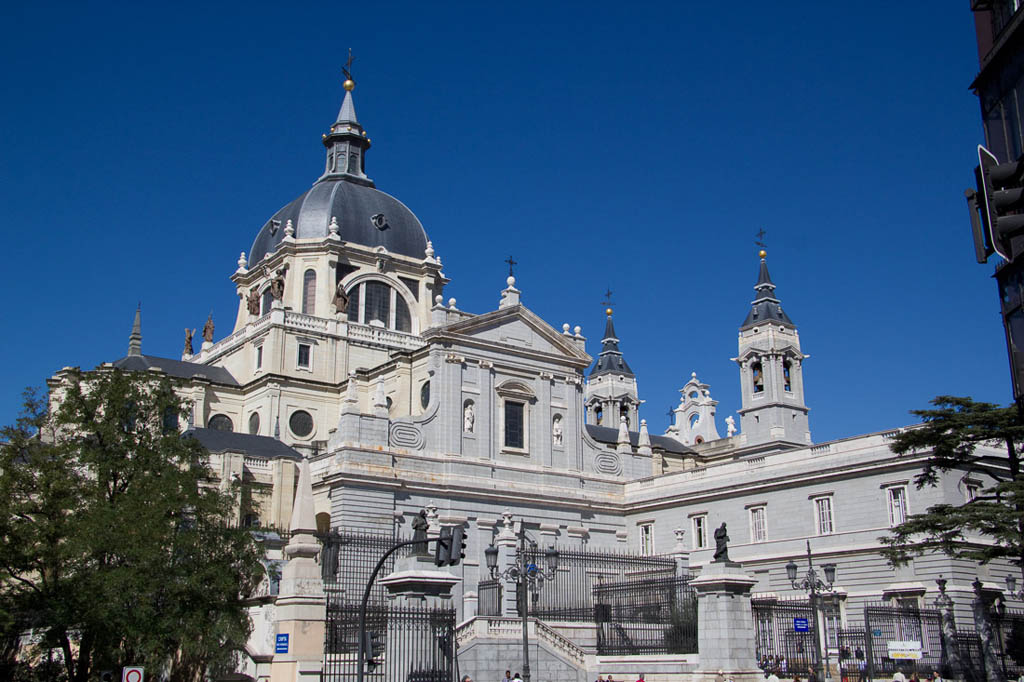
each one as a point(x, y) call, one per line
point(637, 147)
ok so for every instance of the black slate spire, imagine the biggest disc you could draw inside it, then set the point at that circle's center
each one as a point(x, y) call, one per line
point(610, 361)
point(347, 143)
point(765, 307)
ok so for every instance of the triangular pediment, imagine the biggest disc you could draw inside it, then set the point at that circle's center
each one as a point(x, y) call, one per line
point(513, 327)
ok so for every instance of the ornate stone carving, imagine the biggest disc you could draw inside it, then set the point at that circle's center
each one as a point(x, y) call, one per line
point(730, 426)
point(277, 285)
point(252, 301)
point(404, 435)
point(189, 333)
point(468, 418)
point(340, 298)
point(556, 431)
point(208, 329)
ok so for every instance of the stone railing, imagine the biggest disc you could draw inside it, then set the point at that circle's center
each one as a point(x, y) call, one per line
point(302, 321)
point(563, 645)
point(385, 337)
point(491, 627)
point(256, 463)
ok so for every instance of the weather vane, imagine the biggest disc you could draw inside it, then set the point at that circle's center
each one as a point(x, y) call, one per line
point(760, 239)
point(347, 69)
point(511, 264)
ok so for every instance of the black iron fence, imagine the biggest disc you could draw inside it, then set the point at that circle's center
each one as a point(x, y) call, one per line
point(580, 572)
point(348, 559)
point(902, 638)
point(1008, 628)
point(646, 615)
point(410, 644)
point(489, 598)
point(786, 636)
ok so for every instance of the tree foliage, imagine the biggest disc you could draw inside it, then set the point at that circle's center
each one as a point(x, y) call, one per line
point(951, 433)
point(113, 545)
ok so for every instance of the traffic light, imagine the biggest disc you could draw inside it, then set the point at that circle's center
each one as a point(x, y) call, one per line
point(997, 203)
point(451, 546)
point(369, 651)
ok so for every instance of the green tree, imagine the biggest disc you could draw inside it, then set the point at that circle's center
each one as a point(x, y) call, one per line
point(952, 432)
point(113, 543)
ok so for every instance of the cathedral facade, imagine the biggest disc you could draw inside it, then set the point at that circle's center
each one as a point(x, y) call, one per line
point(346, 352)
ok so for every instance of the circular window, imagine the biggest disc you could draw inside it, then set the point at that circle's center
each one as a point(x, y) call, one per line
point(301, 423)
point(220, 422)
point(425, 394)
point(254, 423)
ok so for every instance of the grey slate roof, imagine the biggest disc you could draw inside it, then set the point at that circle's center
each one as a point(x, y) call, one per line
point(610, 360)
point(765, 308)
point(254, 446)
point(353, 205)
point(604, 434)
point(176, 368)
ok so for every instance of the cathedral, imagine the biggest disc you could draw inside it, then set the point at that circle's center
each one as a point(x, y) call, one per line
point(346, 354)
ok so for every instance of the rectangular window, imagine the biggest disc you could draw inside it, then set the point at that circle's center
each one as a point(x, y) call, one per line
point(700, 531)
point(824, 524)
point(304, 354)
point(758, 526)
point(897, 504)
point(514, 413)
point(259, 357)
point(647, 539)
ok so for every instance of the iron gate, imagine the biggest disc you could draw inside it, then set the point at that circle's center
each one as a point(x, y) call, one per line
point(646, 616)
point(785, 636)
point(886, 625)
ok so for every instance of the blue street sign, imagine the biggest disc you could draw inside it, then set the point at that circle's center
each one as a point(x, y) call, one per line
point(876, 633)
point(281, 644)
point(801, 625)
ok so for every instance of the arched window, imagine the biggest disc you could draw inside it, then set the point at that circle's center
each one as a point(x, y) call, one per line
point(254, 423)
point(379, 304)
point(425, 395)
point(787, 385)
point(598, 414)
point(757, 374)
point(309, 292)
point(624, 412)
point(694, 419)
point(266, 301)
point(220, 422)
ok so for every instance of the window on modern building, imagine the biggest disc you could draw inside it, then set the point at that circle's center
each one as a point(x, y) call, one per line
point(647, 539)
point(266, 301)
point(301, 423)
point(758, 524)
point(515, 413)
point(897, 496)
point(787, 384)
point(220, 422)
point(304, 359)
point(309, 292)
point(972, 491)
point(757, 375)
point(425, 394)
point(381, 303)
point(254, 423)
point(259, 356)
point(824, 523)
point(700, 531)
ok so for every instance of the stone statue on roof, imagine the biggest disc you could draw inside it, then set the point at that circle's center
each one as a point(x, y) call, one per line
point(208, 329)
point(189, 333)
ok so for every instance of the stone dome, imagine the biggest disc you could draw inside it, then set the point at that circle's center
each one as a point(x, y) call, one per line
point(366, 216)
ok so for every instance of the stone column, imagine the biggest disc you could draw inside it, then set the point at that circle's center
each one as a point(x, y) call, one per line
point(725, 625)
point(506, 544)
point(301, 610)
point(680, 553)
point(951, 663)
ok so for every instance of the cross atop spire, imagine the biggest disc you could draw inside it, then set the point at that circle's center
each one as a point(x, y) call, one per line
point(511, 264)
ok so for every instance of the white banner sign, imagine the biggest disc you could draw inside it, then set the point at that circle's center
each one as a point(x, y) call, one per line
point(905, 650)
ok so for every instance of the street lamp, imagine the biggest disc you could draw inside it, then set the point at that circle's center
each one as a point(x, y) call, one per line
point(1011, 587)
point(529, 577)
point(817, 588)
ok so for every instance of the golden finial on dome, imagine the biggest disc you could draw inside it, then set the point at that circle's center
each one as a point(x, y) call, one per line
point(608, 312)
point(762, 253)
point(349, 84)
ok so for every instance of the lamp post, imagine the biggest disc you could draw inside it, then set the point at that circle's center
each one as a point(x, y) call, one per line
point(529, 578)
point(816, 588)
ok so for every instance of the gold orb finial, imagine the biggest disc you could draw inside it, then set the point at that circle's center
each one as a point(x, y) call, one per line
point(349, 84)
point(762, 253)
point(608, 312)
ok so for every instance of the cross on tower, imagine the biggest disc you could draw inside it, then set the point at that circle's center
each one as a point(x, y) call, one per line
point(511, 264)
point(760, 239)
point(607, 298)
point(348, 66)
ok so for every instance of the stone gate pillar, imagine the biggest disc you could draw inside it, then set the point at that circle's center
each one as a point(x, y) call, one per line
point(952, 666)
point(725, 625)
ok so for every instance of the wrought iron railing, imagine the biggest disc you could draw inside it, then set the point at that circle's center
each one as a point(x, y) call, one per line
point(489, 598)
point(348, 559)
point(646, 616)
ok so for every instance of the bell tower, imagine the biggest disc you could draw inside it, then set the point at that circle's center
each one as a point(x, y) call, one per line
point(611, 390)
point(771, 371)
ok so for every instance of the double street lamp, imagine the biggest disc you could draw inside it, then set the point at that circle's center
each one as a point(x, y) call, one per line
point(816, 588)
point(528, 577)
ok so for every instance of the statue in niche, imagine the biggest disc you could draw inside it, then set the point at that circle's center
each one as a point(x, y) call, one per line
point(252, 301)
point(468, 418)
point(208, 329)
point(189, 333)
point(277, 285)
point(340, 299)
point(556, 430)
point(730, 426)
point(721, 544)
point(419, 534)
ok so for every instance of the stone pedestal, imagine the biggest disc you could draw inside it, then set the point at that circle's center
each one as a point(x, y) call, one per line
point(411, 643)
point(725, 625)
